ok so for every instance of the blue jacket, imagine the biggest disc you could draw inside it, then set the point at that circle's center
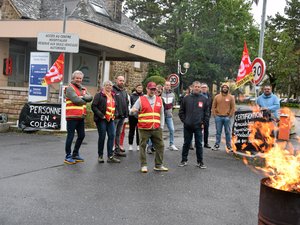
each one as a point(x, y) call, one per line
point(270, 102)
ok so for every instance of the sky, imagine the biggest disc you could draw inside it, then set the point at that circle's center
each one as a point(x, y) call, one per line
point(273, 6)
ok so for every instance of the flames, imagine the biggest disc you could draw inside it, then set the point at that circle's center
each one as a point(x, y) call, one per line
point(283, 168)
point(279, 160)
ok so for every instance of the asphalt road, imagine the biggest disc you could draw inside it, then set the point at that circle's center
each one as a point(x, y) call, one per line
point(37, 188)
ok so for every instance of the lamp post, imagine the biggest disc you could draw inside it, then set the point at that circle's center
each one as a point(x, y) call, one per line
point(186, 66)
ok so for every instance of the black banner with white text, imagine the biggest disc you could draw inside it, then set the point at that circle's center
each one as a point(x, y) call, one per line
point(40, 116)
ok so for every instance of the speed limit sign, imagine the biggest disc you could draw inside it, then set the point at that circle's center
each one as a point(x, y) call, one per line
point(258, 69)
point(173, 79)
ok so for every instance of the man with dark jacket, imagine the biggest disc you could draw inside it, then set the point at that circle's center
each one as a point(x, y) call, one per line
point(133, 120)
point(194, 110)
point(122, 103)
point(207, 95)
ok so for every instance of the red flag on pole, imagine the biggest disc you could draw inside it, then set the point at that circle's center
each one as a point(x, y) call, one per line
point(245, 71)
point(56, 72)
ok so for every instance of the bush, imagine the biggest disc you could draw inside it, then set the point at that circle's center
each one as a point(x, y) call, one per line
point(89, 120)
point(157, 79)
point(290, 104)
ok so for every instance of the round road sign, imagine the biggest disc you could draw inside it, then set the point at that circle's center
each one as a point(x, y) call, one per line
point(173, 79)
point(258, 69)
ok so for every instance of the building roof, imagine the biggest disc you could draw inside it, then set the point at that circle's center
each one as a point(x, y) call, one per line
point(81, 10)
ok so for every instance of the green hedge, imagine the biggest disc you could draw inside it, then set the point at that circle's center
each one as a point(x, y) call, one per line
point(157, 79)
point(290, 104)
point(89, 120)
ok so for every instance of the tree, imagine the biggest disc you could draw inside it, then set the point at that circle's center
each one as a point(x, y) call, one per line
point(208, 34)
point(282, 50)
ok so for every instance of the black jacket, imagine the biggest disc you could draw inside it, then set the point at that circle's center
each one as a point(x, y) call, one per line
point(133, 97)
point(194, 110)
point(99, 106)
point(209, 102)
point(122, 102)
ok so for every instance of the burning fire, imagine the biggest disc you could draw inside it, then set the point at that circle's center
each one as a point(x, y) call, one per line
point(281, 161)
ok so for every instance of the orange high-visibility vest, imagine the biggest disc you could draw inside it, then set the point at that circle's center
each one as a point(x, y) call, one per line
point(110, 109)
point(149, 118)
point(72, 110)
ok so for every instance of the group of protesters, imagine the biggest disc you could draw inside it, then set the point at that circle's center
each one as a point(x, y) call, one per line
point(147, 115)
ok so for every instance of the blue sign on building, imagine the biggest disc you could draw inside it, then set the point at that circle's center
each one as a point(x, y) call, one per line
point(37, 73)
point(37, 90)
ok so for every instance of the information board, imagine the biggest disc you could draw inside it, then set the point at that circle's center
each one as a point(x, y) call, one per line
point(39, 65)
point(58, 42)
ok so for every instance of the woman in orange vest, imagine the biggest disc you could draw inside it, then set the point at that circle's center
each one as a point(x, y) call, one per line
point(76, 99)
point(104, 108)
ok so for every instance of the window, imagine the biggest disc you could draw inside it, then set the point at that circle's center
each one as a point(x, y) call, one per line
point(99, 8)
point(88, 64)
point(137, 65)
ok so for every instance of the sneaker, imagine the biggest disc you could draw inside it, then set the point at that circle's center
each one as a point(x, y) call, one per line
point(161, 168)
point(192, 147)
point(112, 159)
point(69, 160)
point(201, 165)
point(183, 163)
point(138, 148)
point(207, 146)
point(121, 154)
point(130, 148)
point(173, 148)
point(78, 158)
point(122, 150)
point(100, 159)
point(144, 169)
point(229, 149)
point(216, 148)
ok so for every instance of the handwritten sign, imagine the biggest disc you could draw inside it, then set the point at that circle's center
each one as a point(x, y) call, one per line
point(40, 116)
point(241, 131)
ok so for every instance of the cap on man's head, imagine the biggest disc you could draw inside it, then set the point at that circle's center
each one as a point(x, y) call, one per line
point(225, 84)
point(151, 85)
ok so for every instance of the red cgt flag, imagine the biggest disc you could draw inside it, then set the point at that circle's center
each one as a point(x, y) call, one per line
point(56, 72)
point(245, 71)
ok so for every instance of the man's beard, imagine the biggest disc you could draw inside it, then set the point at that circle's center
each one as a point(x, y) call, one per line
point(224, 92)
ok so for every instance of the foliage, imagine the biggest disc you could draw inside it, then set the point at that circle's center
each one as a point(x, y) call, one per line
point(282, 50)
point(208, 34)
point(89, 119)
point(156, 79)
point(290, 105)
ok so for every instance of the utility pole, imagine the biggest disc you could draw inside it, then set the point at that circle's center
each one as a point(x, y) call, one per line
point(262, 29)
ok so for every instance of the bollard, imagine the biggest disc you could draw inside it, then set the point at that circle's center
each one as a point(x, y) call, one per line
point(284, 127)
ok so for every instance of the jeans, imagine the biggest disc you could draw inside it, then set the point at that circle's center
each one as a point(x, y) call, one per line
point(220, 122)
point(103, 127)
point(118, 126)
point(133, 121)
point(73, 125)
point(158, 144)
point(188, 136)
point(170, 125)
